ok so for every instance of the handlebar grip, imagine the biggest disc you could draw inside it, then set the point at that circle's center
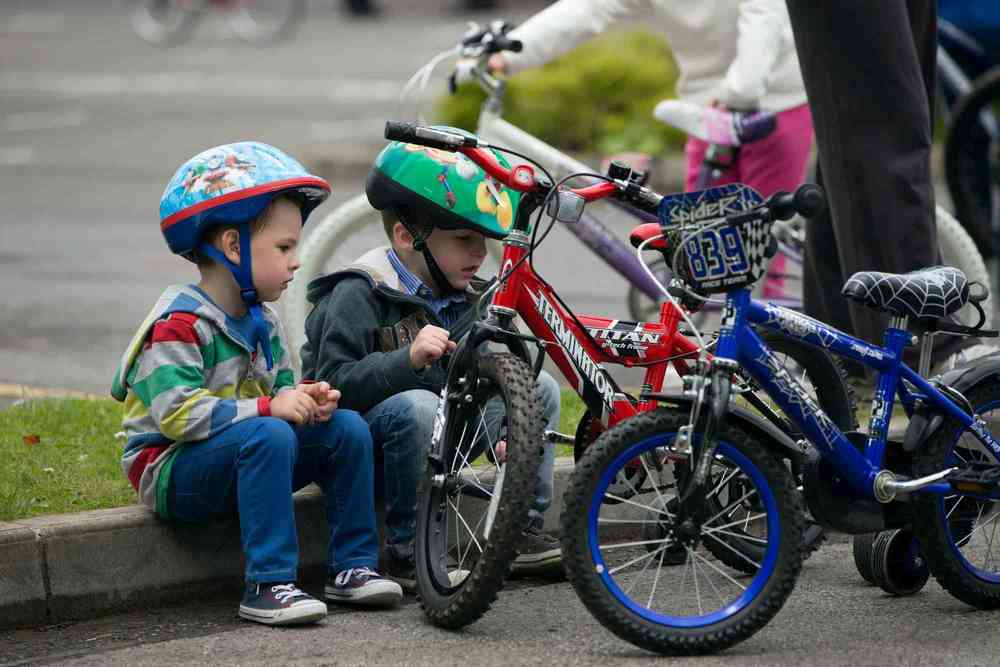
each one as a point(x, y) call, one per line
point(807, 201)
point(426, 136)
point(506, 44)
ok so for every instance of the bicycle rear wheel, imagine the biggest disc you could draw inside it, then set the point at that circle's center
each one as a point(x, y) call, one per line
point(469, 519)
point(972, 161)
point(959, 534)
point(693, 602)
point(164, 22)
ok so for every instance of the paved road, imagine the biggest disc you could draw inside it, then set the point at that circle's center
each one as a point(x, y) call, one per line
point(93, 122)
point(832, 618)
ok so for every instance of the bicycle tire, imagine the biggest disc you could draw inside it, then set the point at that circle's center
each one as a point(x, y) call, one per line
point(966, 153)
point(317, 248)
point(589, 568)
point(944, 531)
point(958, 249)
point(451, 601)
point(159, 28)
point(249, 29)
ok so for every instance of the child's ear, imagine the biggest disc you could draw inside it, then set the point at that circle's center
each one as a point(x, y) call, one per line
point(402, 237)
point(230, 242)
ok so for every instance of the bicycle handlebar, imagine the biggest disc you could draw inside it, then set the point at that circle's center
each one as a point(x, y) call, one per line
point(807, 201)
point(521, 178)
point(493, 38)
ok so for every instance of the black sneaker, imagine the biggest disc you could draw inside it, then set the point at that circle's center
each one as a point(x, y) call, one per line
point(537, 553)
point(280, 604)
point(363, 586)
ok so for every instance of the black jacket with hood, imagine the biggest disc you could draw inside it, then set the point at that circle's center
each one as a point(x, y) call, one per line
point(359, 332)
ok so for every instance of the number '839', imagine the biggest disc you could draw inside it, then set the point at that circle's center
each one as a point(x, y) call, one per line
point(716, 253)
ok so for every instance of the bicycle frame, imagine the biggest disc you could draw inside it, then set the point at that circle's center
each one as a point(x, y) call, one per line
point(653, 344)
point(739, 343)
point(591, 231)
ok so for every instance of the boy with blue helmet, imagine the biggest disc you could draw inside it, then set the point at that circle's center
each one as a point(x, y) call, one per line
point(213, 417)
point(380, 327)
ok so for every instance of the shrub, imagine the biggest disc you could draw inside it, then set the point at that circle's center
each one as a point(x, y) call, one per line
point(598, 98)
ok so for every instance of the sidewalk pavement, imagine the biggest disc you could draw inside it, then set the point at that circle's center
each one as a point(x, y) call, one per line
point(81, 565)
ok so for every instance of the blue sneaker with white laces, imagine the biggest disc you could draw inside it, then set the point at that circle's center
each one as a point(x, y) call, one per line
point(363, 586)
point(280, 604)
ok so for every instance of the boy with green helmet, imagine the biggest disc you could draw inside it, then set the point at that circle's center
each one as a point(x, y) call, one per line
point(380, 326)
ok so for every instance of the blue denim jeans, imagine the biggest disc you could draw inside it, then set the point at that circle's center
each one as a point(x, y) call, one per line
point(401, 426)
point(253, 467)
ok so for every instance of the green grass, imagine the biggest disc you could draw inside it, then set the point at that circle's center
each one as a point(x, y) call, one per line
point(75, 464)
point(73, 467)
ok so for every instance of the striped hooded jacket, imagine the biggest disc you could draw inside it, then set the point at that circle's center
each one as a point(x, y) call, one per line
point(186, 376)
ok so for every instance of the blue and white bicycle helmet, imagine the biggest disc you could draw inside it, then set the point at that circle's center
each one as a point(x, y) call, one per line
point(232, 185)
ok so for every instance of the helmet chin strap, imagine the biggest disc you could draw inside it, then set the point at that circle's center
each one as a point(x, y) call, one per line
point(437, 275)
point(243, 273)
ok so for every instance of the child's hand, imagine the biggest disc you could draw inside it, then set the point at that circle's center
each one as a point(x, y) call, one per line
point(431, 343)
point(295, 406)
point(326, 398)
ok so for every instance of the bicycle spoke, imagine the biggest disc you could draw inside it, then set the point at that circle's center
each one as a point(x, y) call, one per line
point(635, 560)
point(735, 551)
point(719, 570)
point(656, 580)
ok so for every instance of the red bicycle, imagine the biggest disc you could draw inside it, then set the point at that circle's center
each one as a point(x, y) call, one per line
point(470, 518)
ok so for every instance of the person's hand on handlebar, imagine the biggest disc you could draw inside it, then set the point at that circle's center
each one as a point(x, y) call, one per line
point(498, 64)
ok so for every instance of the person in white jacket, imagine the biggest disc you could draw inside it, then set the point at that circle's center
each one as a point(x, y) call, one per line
point(734, 54)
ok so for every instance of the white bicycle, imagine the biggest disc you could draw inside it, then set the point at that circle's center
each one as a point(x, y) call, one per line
point(355, 227)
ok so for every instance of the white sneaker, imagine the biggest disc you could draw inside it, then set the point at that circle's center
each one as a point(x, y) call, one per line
point(363, 586)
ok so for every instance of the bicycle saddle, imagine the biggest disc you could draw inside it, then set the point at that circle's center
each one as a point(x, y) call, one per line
point(927, 293)
point(647, 231)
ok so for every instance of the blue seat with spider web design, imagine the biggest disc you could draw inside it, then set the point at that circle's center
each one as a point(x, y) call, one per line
point(928, 293)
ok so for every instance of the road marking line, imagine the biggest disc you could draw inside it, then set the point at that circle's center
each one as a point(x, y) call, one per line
point(43, 120)
point(16, 155)
point(174, 84)
point(35, 23)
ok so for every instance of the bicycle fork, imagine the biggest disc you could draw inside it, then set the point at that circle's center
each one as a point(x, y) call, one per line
point(710, 386)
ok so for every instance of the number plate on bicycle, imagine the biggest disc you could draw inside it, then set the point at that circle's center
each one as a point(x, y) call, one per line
point(716, 257)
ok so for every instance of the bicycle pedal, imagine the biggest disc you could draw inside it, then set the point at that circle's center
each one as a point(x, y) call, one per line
point(979, 478)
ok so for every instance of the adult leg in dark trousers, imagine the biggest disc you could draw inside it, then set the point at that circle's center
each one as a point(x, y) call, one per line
point(869, 70)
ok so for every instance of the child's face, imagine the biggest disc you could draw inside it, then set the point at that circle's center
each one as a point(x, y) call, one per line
point(273, 249)
point(459, 253)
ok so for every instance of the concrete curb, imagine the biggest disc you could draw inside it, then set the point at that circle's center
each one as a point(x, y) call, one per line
point(70, 566)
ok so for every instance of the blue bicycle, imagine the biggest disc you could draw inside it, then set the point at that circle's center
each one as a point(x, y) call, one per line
point(717, 489)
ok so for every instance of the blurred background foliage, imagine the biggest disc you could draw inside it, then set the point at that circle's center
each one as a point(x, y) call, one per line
point(597, 99)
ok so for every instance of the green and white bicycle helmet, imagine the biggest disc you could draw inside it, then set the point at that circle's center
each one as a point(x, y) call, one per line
point(444, 189)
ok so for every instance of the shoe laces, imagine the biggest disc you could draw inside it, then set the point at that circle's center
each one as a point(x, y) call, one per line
point(285, 592)
point(345, 576)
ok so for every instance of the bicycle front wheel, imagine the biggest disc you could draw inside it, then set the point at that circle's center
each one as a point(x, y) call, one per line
point(645, 573)
point(958, 533)
point(260, 21)
point(471, 517)
point(163, 22)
